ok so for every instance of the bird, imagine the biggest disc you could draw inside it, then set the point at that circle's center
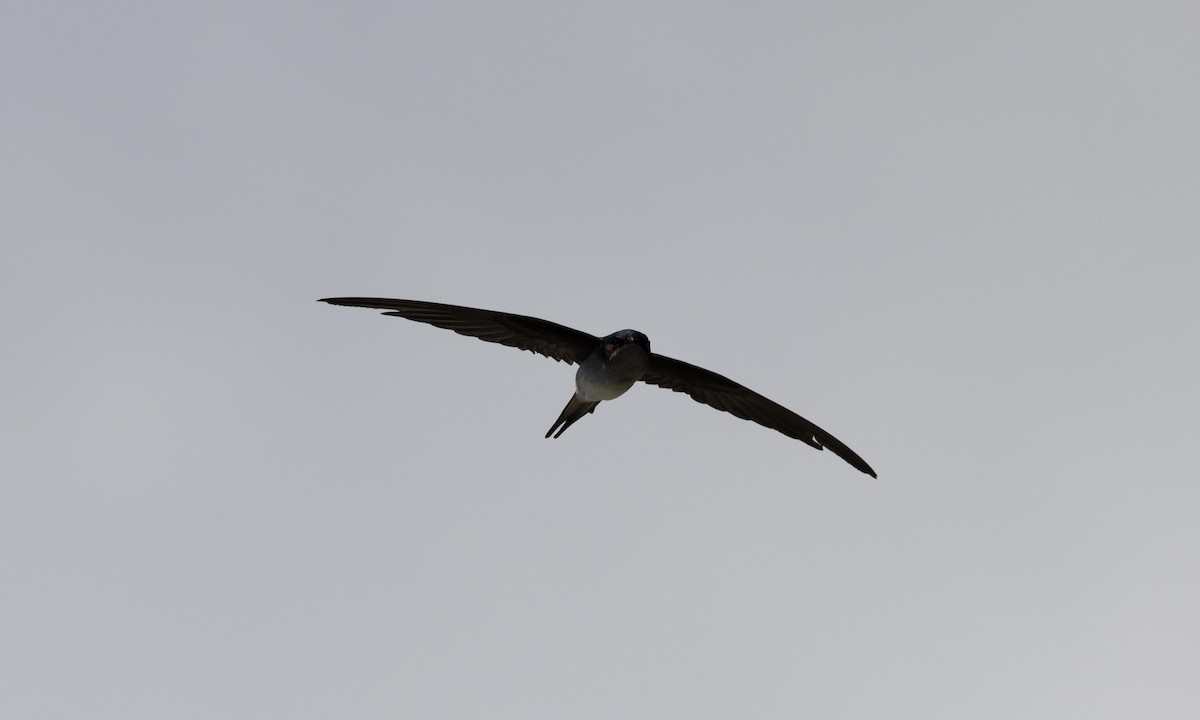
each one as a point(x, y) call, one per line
point(609, 366)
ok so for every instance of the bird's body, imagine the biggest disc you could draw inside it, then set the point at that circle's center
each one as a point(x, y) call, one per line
point(606, 374)
point(621, 361)
point(609, 366)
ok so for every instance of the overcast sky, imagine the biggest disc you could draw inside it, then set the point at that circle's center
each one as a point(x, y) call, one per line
point(963, 238)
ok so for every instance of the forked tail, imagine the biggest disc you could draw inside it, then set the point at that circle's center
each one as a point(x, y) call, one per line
point(574, 410)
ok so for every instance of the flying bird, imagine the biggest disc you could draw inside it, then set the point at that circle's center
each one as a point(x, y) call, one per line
point(610, 365)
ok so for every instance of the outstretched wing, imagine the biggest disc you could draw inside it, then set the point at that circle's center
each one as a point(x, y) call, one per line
point(720, 392)
point(520, 331)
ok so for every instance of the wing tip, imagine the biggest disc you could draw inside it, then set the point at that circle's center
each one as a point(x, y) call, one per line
point(861, 465)
point(839, 448)
point(855, 461)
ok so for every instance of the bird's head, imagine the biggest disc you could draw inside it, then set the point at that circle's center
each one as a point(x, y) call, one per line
point(613, 344)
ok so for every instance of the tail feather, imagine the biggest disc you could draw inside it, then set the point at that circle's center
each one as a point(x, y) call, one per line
point(574, 410)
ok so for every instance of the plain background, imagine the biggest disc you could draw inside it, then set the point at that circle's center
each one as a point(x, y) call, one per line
point(962, 237)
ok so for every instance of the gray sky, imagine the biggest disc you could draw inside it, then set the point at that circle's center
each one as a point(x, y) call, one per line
point(962, 238)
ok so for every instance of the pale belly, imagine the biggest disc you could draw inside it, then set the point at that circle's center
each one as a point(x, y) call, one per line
point(597, 380)
point(595, 389)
